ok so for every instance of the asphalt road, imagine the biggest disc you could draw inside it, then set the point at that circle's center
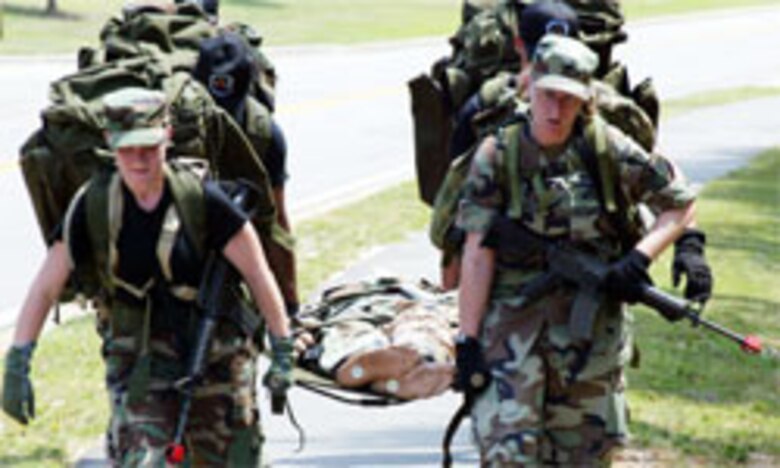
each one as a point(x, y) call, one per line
point(345, 111)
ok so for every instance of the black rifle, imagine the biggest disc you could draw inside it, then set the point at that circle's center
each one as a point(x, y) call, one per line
point(210, 301)
point(567, 265)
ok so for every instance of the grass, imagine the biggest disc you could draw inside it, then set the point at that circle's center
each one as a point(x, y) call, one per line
point(696, 396)
point(27, 30)
point(675, 107)
point(647, 8)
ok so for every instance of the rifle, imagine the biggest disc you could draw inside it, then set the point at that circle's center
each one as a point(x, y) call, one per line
point(567, 265)
point(217, 273)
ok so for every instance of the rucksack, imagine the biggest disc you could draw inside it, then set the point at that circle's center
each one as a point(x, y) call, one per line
point(598, 161)
point(481, 47)
point(69, 146)
point(173, 34)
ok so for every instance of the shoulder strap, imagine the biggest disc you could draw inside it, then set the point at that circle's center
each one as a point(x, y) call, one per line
point(187, 192)
point(103, 200)
point(509, 145)
point(600, 163)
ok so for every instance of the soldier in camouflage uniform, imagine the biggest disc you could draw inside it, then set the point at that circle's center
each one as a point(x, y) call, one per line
point(539, 395)
point(141, 233)
point(598, 23)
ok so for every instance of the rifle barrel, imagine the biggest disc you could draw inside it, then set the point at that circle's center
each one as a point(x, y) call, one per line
point(659, 300)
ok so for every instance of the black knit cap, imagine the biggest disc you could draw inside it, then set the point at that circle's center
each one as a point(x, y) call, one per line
point(544, 17)
point(227, 69)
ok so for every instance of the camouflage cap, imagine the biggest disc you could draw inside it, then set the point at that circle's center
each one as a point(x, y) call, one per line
point(564, 64)
point(601, 21)
point(135, 117)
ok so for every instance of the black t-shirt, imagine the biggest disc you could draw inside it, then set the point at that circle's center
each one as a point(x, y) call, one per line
point(140, 232)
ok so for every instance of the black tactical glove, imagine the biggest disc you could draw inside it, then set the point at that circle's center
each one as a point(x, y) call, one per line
point(472, 374)
point(627, 277)
point(689, 261)
point(18, 395)
point(279, 379)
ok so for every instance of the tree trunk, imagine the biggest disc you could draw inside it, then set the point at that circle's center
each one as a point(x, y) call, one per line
point(51, 6)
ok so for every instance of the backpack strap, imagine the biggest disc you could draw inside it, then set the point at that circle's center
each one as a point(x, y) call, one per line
point(601, 165)
point(509, 145)
point(101, 199)
point(187, 191)
point(600, 162)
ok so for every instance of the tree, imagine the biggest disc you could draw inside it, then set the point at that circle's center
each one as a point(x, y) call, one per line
point(51, 6)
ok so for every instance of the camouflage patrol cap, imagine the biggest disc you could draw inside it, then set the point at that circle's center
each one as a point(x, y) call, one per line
point(135, 117)
point(601, 21)
point(564, 64)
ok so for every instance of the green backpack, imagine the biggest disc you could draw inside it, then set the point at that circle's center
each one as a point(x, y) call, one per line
point(173, 34)
point(69, 146)
point(598, 161)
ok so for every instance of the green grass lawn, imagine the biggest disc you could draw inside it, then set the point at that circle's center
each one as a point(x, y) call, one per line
point(27, 30)
point(696, 396)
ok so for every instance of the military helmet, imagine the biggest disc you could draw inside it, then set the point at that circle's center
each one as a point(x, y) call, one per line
point(601, 21)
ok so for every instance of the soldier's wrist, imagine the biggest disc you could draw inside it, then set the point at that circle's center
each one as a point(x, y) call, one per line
point(281, 343)
point(19, 356)
point(691, 239)
point(25, 349)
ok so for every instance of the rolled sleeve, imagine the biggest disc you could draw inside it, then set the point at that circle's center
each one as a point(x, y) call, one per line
point(649, 178)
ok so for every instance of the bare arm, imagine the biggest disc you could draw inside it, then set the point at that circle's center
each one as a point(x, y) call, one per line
point(667, 228)
point(246, 254)
point(477, 271)
point(43, 294)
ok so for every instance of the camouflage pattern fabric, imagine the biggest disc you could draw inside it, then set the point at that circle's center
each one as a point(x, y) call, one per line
point(551, 401)
point(625, 114)
point(601, 21)
point(554, 399)
point(391, 330)
point(559, 198)
point(224, 426)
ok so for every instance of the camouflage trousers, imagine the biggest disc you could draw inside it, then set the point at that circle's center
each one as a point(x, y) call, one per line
point(224, 423)
point(552, 401)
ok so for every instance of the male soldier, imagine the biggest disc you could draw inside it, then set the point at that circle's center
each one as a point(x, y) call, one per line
point(546, 389)
point(227, 69)
point(601, 30)
point(139, 234)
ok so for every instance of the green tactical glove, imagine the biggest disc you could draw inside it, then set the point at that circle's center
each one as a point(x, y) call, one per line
point(18, 396)
point(278, 379)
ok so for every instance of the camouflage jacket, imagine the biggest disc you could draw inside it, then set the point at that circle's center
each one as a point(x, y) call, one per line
point(559, 197)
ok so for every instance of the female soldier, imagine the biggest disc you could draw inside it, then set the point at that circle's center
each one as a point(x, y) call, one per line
point(142, 232)
point(544, 392)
